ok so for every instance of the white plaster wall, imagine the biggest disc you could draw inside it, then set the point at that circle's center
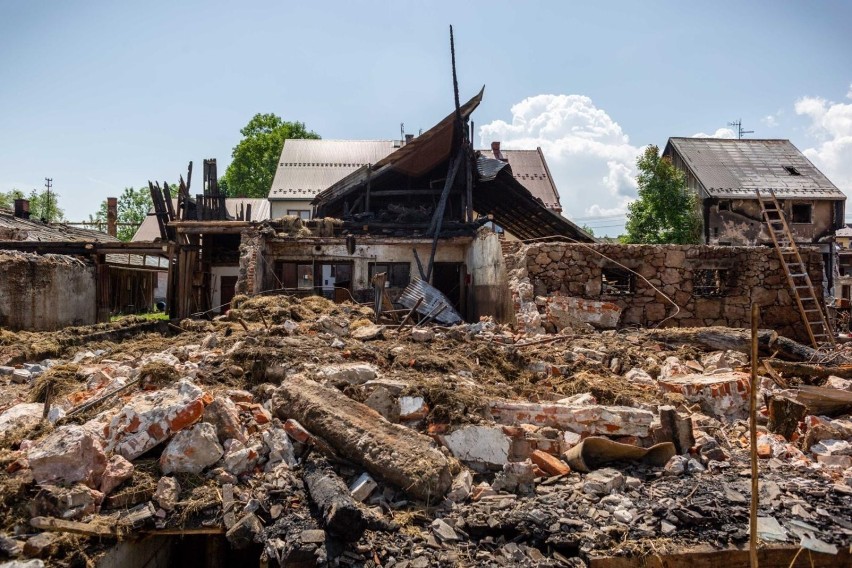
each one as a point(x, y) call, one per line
point(278, 208)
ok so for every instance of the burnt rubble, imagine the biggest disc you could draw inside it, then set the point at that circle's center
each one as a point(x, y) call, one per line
point(303, 434)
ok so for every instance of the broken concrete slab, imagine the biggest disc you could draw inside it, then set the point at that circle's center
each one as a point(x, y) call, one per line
point(723, 395)
point(482, 447)
point(150, 418)
point(368, 332)
point(359, 434)
point(583, 419)
point(412, 408)
point(351, 373)
point(22, 415)
point(69, 455)
point(382, 401)
point(676, 429)
point(191, 450)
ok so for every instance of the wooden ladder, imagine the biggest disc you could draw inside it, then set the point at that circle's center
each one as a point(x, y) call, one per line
point(798, 278)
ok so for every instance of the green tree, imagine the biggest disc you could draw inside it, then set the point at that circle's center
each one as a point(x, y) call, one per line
point(7, 198)
point(45, 206)
point(133, 207)
point(667, 212)
point(255, 157)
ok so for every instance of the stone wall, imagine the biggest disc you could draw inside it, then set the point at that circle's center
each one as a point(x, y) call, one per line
point(45, 292)
point(710, 285)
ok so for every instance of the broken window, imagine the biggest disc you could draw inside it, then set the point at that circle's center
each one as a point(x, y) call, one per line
point(708, 282)
point(724, 205)
point(801, 213)
point(792, 171)
point(617, 281)
point(297, 275)
point(399, 273)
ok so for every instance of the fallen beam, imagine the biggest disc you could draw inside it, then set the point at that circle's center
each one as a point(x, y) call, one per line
point(724, 338)
point(60, 525)
point(341, 516)
point(390, 452)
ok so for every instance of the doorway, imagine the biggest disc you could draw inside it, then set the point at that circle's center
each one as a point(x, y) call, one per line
point(228, 287)
point(448, 277)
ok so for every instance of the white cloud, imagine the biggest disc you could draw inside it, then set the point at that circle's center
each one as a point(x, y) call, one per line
point(770, 120)
point(720, 133)
point(589, 155)
point(831, 125)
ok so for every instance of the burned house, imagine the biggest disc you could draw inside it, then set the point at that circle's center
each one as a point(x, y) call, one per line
point(57, 275)
point(727, 173)
point(417, 213)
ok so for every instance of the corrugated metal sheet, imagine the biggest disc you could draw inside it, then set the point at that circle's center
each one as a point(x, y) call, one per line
point(149, 231)
point(530, 168)
point(307, 167)
point(515, 208)
point(736, 168)
point(433, 302)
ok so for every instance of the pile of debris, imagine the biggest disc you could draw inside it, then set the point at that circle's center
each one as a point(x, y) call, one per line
point(305, 434)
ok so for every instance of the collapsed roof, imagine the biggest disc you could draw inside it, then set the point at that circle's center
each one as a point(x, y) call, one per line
point(418, 169)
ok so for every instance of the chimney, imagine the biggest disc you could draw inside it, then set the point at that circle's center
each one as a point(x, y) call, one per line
point(409, 138)
point(495, 149)
point(22, 208)
point(112, 216)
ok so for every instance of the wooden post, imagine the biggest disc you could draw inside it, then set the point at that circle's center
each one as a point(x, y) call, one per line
point(752, 415)
point(367, 193)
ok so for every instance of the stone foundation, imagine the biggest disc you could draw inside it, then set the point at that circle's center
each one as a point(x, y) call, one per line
point(711, 285)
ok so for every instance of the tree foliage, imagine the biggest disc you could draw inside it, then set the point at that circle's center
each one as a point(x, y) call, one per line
point(43, 206)
point(255, 157)
point(133, 207)
point(667, 212)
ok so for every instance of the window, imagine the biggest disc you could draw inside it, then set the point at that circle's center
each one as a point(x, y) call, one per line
point(792, 171)
point(709, 282)
point(617, 281)
point(297, 275)
point(801, 213)
point(724, 205)
point(399, 273)
point(303, 214)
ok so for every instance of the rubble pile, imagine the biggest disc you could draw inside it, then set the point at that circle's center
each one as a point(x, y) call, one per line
point(302, 432)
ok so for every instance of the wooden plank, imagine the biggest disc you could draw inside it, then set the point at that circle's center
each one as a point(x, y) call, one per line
point(768, 557)
point(52, 524)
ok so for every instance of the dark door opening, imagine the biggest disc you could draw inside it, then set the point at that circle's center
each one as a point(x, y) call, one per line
point(227, 287)
point(448, 277)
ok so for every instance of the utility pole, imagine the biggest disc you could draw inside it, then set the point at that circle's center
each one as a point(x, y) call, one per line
point(48, 182)
point(738, 124)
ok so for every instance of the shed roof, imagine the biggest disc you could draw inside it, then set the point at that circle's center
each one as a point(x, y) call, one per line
point(149, 230)
point(530, 168)
point(730, 168)
point(18, 229)
point(307, 167)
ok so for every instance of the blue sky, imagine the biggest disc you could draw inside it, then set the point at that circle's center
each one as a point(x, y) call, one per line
point(102, 95)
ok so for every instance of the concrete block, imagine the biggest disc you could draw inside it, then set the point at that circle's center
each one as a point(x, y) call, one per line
point(723, 395)
point(118, 470)
point(150, 418)
point(352, 373)
point(69, 455)
point(482, 447)
point(567, 311)
point(191, 450)
point(362, 487)
point(603, 481)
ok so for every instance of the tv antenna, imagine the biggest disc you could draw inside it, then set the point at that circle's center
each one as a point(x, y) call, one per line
point(48, 183)
point(738, 124)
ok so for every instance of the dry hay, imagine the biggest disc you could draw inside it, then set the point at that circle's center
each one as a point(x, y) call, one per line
point(59, 380)
point(158, 374)
point(359, 323)
point(609, 390)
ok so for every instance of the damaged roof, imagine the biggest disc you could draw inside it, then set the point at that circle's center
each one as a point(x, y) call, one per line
point(530, 168)
point(308, 167)
point(729, 168)
point(150, 231)
point(18, 229)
